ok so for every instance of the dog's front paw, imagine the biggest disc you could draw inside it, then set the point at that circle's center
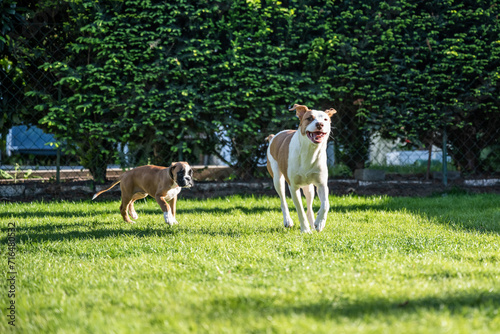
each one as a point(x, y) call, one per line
point(134, 215)
point(169, 219)
point(319, 224)
point(288, 222)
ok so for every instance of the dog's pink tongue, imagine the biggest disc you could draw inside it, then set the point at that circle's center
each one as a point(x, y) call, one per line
point(316, 137)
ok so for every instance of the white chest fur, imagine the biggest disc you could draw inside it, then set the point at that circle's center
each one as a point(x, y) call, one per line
point(307, 162)
point(172, 193)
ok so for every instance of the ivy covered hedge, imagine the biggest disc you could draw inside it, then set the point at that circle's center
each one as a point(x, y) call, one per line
point(173, 80)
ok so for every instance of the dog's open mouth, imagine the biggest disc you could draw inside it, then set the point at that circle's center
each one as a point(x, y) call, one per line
point(316, 137)
point(185, 183)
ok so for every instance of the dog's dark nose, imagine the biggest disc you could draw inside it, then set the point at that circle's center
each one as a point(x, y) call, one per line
point(187, 181)
point(319, 126)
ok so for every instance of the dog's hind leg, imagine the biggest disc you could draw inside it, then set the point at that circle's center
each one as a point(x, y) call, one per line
point(124, 208)
point(309, 194)
point(296, 196)
point(279, 185)
point(131, 208)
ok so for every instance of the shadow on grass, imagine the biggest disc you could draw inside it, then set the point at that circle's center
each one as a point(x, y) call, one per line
point(329, 309)
point(448, 210)
point(453, 211)
point(95, 229)
point(61, 232)
point(216, 211)
point(58, 214)
point(55, 235)
point(94, 211)
point(443, 212)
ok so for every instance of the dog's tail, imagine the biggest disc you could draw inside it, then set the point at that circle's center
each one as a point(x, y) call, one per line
point(100, 192)
point(268, 138)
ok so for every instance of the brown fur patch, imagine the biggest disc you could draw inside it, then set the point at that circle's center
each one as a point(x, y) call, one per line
point(279, 149)
point(305, 121)
point(300, 110)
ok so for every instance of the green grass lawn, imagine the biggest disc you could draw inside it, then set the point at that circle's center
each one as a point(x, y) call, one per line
point(382, 265)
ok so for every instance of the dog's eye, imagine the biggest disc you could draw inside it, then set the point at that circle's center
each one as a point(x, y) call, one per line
point(310, 118)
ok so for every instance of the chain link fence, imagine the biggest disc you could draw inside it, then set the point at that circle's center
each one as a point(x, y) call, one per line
point(30, 153)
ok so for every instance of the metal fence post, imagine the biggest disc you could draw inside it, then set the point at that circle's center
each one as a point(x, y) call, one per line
point(58, 157)
point(58, 165)
point(445, 161)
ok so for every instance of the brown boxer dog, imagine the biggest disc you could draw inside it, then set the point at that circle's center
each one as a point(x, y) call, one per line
point(162, 183)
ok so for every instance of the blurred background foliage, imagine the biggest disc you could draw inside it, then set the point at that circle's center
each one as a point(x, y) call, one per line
point(177, 80)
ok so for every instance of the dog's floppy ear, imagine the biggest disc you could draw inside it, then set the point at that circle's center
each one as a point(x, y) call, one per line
point(171, 170)
point(301, 110)
point(330, 112)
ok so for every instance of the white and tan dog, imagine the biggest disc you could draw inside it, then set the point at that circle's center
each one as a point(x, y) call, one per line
point(162, 183)
point(299, 158)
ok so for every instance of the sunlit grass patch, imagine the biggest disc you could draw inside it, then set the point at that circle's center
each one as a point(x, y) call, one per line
point(412, 265)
